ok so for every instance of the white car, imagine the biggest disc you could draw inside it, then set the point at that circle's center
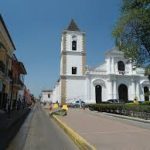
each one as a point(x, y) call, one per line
point(77, 104)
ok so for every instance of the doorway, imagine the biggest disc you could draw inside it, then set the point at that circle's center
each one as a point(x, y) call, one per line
point(98, 93)
point(146, 93)
point(123, 93)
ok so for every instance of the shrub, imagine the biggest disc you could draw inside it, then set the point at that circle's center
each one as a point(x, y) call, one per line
point(145, 103)
point(119, 108)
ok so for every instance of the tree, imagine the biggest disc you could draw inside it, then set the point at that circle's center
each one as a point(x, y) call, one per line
point(132, 31)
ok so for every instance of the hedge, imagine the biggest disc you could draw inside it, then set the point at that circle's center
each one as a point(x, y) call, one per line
point(129, 109)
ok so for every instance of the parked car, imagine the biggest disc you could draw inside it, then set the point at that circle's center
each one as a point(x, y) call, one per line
point(113, 101)
point(77, 104)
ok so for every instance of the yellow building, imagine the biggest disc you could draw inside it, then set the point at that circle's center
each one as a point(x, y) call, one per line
point(7, 48)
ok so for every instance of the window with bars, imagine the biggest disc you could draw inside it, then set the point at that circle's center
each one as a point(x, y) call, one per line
point(74, 70)
point(74, 45)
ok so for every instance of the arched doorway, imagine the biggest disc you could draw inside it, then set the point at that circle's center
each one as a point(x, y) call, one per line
point(98, 93)
point(123, 93)
point(146, 91)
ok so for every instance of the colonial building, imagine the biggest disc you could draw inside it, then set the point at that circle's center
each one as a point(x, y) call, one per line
point(7, 48)
point(12, 71)
point(116, 78)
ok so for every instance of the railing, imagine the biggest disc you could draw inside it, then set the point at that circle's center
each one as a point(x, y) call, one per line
point(21, 82)
point(121, 72)
point(18, 82)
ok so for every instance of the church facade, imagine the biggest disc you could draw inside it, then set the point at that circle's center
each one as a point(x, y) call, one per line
point(116, 78)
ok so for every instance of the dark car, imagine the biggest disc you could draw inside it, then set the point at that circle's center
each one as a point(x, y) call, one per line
point(113, 101)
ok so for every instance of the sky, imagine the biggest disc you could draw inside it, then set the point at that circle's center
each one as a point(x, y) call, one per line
point(36, 27)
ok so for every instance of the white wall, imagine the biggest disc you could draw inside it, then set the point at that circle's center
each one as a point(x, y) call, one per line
point(56, 93)
point(75, 90)
point(79, 38)
point(45, 98)
point(74, 61)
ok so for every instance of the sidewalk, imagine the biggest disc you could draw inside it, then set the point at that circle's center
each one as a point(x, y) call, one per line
point(106, 133)
point(10, 124)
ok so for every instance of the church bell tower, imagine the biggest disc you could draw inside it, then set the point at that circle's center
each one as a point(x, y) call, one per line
point(73, 56)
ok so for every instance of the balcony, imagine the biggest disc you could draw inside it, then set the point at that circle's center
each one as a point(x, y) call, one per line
point(18, 83)
point(123, 72)
point(21, 82)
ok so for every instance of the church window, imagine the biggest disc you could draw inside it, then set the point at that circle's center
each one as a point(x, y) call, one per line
point(74, 70)
point(121, 66)
point(74, 45)
point(48, 95)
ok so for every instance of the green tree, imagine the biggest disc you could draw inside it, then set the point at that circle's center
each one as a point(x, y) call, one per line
point(132, 31)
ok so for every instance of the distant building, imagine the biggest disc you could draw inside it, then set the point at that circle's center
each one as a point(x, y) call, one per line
point(46, 96)
point(116, 78)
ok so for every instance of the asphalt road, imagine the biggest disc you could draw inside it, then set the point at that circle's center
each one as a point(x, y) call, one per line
point(39, 132)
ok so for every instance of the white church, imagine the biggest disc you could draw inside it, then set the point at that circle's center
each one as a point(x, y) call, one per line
point(116, 78)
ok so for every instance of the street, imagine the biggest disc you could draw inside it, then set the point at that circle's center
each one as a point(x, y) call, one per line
point(39, 132)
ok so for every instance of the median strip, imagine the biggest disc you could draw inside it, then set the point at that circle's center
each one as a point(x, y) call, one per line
point(77, 139)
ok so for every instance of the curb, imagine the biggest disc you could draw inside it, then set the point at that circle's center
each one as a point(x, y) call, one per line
point(77, 139)
point(129, 118)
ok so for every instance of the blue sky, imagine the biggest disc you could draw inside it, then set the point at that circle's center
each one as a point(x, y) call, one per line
point(36, 26)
